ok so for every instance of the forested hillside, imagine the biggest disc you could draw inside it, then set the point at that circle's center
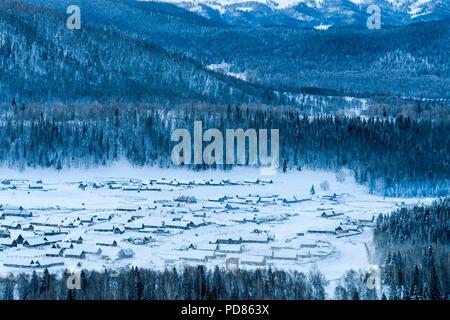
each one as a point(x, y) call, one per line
point(191, 283)
point(402, 61)
point(407, 61)
point(43, 61)
point(394, 157)
point(413, 246)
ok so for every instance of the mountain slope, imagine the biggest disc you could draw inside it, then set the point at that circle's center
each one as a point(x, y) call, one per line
point(130, 51)
point(42, 61)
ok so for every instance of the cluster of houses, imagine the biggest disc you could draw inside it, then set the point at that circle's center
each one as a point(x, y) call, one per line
point(50, 239)
point(55, 256)
point(346, 228)
point(55, 236)
point(256, 199)
point(235, 248)
point(49, 253)
point(150, 224)
point(156, 184)
point(226, 247)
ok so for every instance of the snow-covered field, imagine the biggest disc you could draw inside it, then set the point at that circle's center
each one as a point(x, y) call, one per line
point(261, 220)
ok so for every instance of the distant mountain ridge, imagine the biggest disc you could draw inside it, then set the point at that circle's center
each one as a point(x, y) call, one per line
point(152, 52)
point(314, 13)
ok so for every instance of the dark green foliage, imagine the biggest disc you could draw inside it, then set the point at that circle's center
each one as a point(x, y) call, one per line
point(413, 246)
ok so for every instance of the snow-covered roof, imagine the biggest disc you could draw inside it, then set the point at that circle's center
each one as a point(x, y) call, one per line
point(6, 241)
point(46, 220)
point(204, 246)
point(41, 262)
point(106, 242)
point(110, 252)
point(14, 234)
point(194, 256)
point(92, 249)
point(135, 224)
point(55, 238)
point(107, 226)
point(126, 252)
point(75, 252)
point(264, 252)
point(52, 251)
point(285, 254)
point(152, 222)
point(36, 241)
point(177, 224)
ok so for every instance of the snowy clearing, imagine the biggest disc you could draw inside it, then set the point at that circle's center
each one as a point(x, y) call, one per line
point(120, 216)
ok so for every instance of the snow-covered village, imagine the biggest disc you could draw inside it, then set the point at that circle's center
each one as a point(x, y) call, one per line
point(87, 219)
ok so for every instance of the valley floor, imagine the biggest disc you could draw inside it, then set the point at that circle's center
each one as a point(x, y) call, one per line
point(88, 218)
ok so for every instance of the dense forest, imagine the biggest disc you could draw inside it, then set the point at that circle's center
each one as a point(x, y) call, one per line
point(192, 283)
point(128, 51)
point(395, 157)
point(413, 247)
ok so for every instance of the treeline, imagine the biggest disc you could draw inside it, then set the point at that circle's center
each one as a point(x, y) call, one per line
point(200, 283)
point(415, 109)
point(412, 60)
point(398, 157)
point(413, 247)
point(191, 283)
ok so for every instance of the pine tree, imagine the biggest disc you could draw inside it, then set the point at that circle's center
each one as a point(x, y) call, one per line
point(139, 286)
point(45, 285)
point(8, 293)
point(218, 289)
point(434, 285)
point(284, 166)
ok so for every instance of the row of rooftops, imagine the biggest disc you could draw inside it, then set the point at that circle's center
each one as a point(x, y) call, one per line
point(139, 185)
point(205, 252)
point(141, 220)
point(259, 199)
point(28, 239)
point(56, 257)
